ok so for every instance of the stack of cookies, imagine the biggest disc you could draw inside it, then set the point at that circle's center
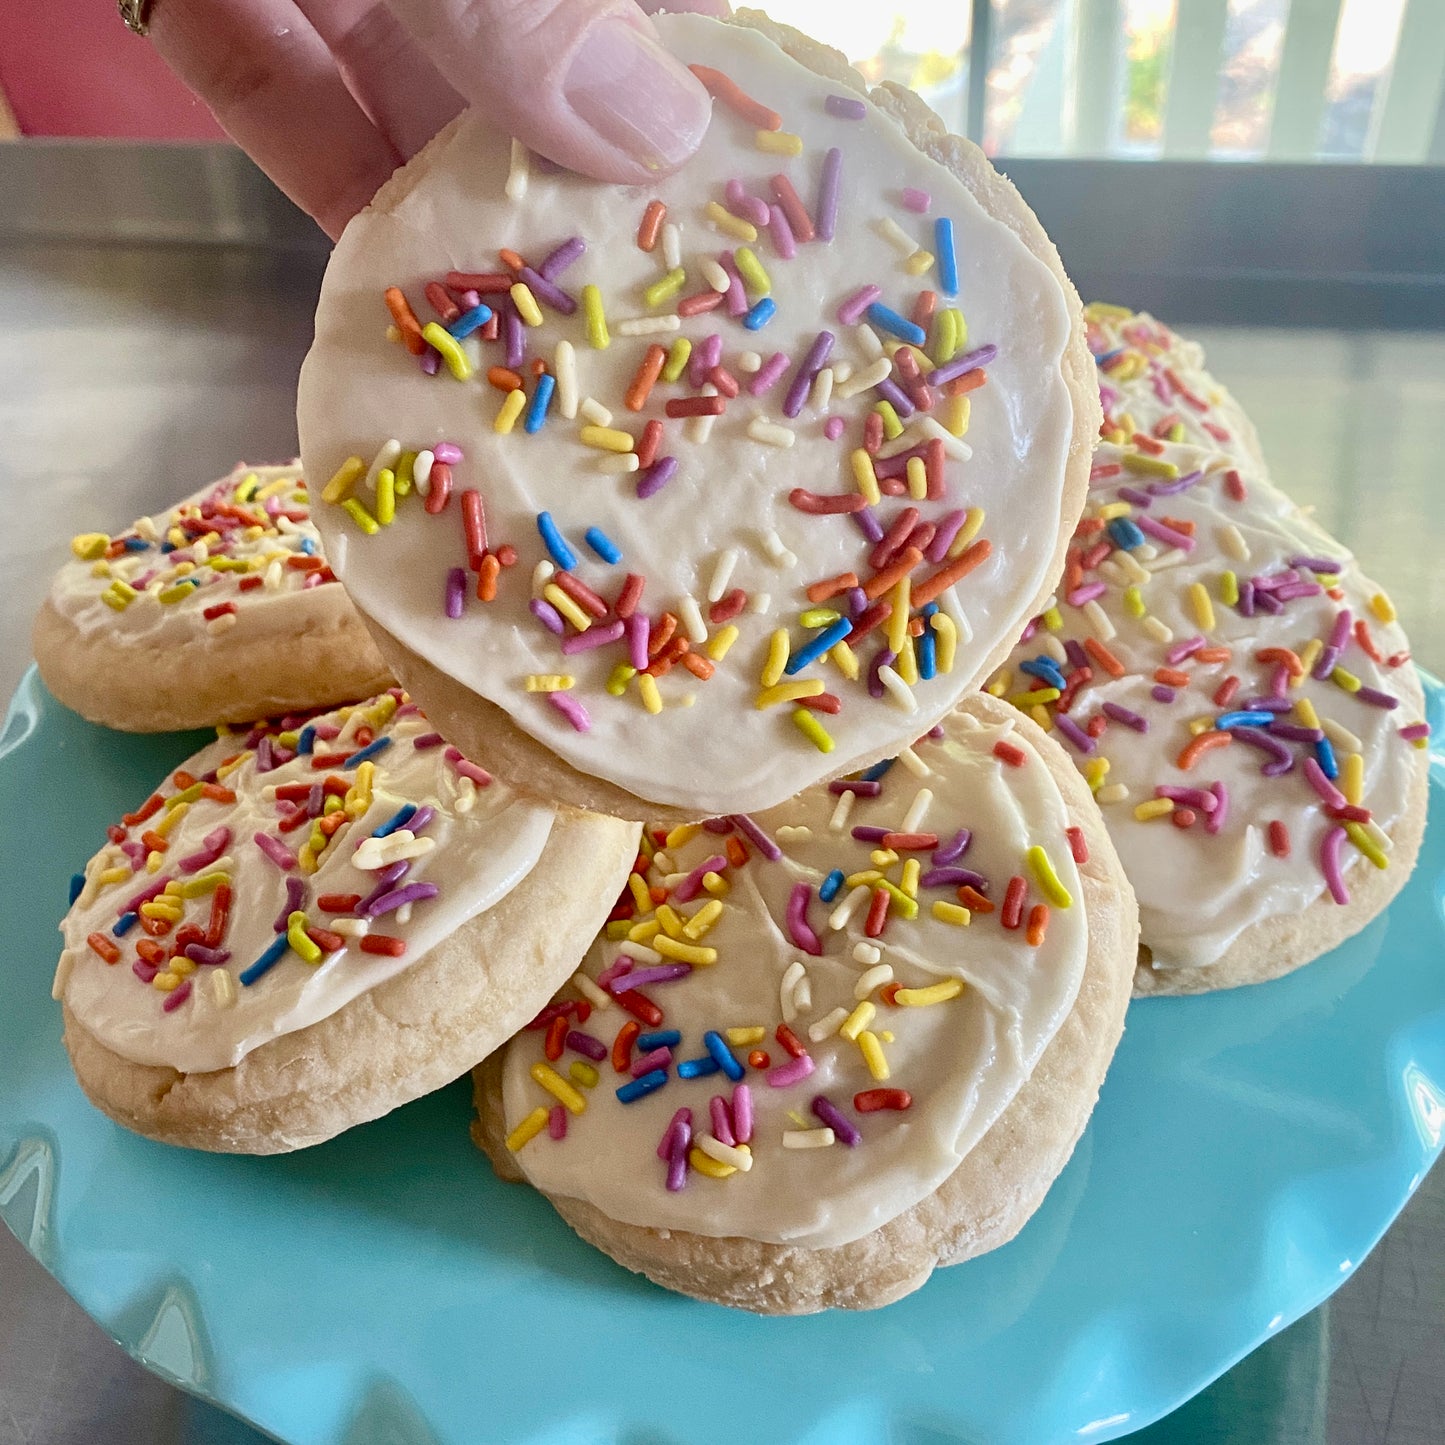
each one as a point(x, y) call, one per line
point(732, 685)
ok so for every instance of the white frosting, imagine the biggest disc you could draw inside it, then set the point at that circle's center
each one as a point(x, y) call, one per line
point(358, 390)
point(1153, 380)
point(276, 497)
point(962, 1061)
point(486, 841)
point(1198, 891)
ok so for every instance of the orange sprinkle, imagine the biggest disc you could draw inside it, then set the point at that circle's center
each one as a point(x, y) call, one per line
point(759, 1059)
point(405, 319)
point(657, 894)
point(511, 260)
point(893, 573)
point(1180, 524)
point(1171, 676)
point(99, 943)
point(923, 308)
point(1279, 839)
point(487, 575)
point(973, 900)
point(969, 381)
point(651, 226)
point(1038, 924)
point(697, 665)
point(736, 850)
point(1367, 643)
point(662, 633)
point(1146, 443)
point(556, 1036)
point(622, 1045)
point(832, 586)
point(1088, 526)
point(504, 378)
point(726, 89)
point(646, 377)
point(647, 447)
point(1103, 657)
point(1282, 654)
point(1197, 747)
point(1224, 693)
point(154, 841)
point(1213, 654)
point(952, 572)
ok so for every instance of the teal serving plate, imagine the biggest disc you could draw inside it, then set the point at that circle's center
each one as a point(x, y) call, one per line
point(1248, 1150)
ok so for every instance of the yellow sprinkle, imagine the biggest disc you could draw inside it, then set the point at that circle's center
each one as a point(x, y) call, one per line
point(511, 408)
point(908, 881)
point(945, 632)
point(607, 439)
point(872, 1052)
point(1346, 680)
point(567, 607)
point(934, 993)
point(745, 1038)
point(1383, 608)
point(559, 1088)
point(897, 624)
point(954, 913)
point(684, 952)
point(1036, 698)
point(718, 644)
point(296, 937)
point(458, 363)
point(846, 660)
point(596, 319)
point(919, 262)
point(716, 884)
point(1106, 311)
point(1154, 808)
point(386, 496)
point(89, 546)
point(755, 278)
point(1199, 725)
point(857, 1021)
point(617, 929)
point(1203, 607)
point(665, 288)
point(779, 650)
point(917, 475)
point(644, 932)
point(205, 883)
point(550, 682)
point(818, 616)
point(883, 857)
point(583, 1073)
point(1110, 510)
point(1228, 588)
point(865, 477)
point(677, 358)
point(778, 142)
point(167, 908)
point(647, 687)
point(165, 982)
point(527, 1130)
point(972, 523)
point(670, 920)
point(729, 224)
point(705, 1163)
point(683, 833)
point(904, 906)
point(525, 303)
point(1305, 711)
point(343, 479)
point(701, 922)
point(945, 337)
point(1134, 601)
point(1351, 781)
point(1367, 845)
point(807, 723)
point(622, 674)
point(113, 875)
point(892, 427)
point(405, 473)
point(169, 595)
point(955, 414)
point(640, 896)
point(1149, 466)
point(1048, 880)
point(788, 692)
point(864, 879)
point(906, 663)
point(361, 516)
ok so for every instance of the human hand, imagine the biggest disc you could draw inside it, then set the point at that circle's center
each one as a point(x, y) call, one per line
point(330, 96)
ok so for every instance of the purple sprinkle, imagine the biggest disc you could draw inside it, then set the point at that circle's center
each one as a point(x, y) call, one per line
point(1181, 650)
point(653, 479)
point(1281, 760)
point(646, 1063)
point(152, 890)
point(1325, 663)
point(1268, 702)
point(757, 837)
point(177, 996)
point(389, 902)
point(1170, 536)
point(1074, 651)
point(265, 756)
point(1294, 733)
point(597, 636)
point(545, 290)
point(737, 296)
point(206, 957)
point(558, 260)
point(1171, 486)
point(894, 394)
point(547, 615)
point(572, 709)
point(1340, 633)
point(586, 1045)
point(276, 851)
point(969, 361)
point(784, 242)
point(1291, 590)
point(843, 1131)
point(807, 369)
point(682, 1120)
point(677, 1158)
point(428, 740)
point(826, 222)
point(833, 428)
point(864, 787)
point(691, 886)
point(1122, 714)
point(212, 846)
point(870, 833)
point(857, 602)
point(947, 529)
point(295, 897)
point(421, 818)
point(884, 657)
point(386, 879)
point(642, 977)
point(799, 929)
point(718, 825)
point(953, 878)
point(430, 361)
point(1160, 693)
point(1135, 496)
point(850, 312)
point(866, 521)
point(1376, 698)
point(516, 335)
point(456, 591)
point(1074, 733)
point(1246, 599)
point(749, 207)
point(916, 200)
point(1415, 732)
point(845, 107)
point(953, 850)
point(705, 355)
point(1316, 564)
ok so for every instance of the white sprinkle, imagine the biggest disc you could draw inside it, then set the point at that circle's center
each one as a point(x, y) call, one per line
point(1232, 540)
point(803, 995)
point(1377, 834)
point(1145, 552)
point(223, 989)
point(839, 820)
point(350, 927)
point(839, 918)
point(690, 615)
point(1172, 558)
point(639, 951)
point(403, 915)
point(896, 236)
point(374, 853)
point(542, 574)
point(822, 392)
point(948, 601)
point(421, 472)
point(672, 246)
point(223, 623)
point(740, 1159)
point(1129, 565)
point(716, 277)
point(760, 602)
point(598, 998)
point(648, 325)
point(1098, 621)
point(386, 457)
point(518, 172)
point(913, 762)
point(272, 577)
point(777, 550)
point(1049, 643)
point(593, 411)
point(827, 1026)
point(807, 1138)
point(866, 953)
point(63, 970)
point(792, 977)
point(1341, 736)
point(770, 433)
point(875, 977)
point(1159, 631)
point(565, 366)
point(922, 428)
point(1112, 572)
point(466, 798)
point(393, 333)
point(868, 342)
point(699, 428)
point(722, 574)
point(899, 693)
point(749, 361)
point(864, 380)
point(841, 370)
point(618, 464)
point(917, 810)
point(1113, 793)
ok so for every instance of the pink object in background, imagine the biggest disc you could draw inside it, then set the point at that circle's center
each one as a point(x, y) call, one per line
point(71, 68)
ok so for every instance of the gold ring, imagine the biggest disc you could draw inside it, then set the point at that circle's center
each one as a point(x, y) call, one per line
point(136, 14)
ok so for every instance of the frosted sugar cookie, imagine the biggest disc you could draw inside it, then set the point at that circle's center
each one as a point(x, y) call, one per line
point(772, 459)
point(1153, 380)
point(222, 609)
point(1240, 698)
point(305, 927)
point(839, 1044)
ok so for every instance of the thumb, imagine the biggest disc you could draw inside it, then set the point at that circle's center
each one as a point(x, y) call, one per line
point(584, 82)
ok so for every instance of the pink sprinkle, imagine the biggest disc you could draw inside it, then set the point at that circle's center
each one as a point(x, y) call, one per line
point(1316, 778)
point(428, 740)
point(833, 428)
point(1330, 864)
point(784, 1076)
point(275, 851)
point(706, 355)
point(737, 296)
point(690, 886)
point(622, 964)
point(571, 708)
point(639, 628)
point(799, 929)
point(768, 374)
point(1181, 650)
point(1161, 532)
point(557, 1122)
point(740, 203)
point(742, 1113)
point(646, 1063)
point(722, 1125)
point(177, 996)
point(448, 452)
point(1415, 732)
point(212, 846)
point(1080, 596)
point(677, 1159)
point(595, 637)
point(851, 311)
point(681, 1123)
point(466, 769)
point(1198, 798)
point(1214, 821)
point(916, 200)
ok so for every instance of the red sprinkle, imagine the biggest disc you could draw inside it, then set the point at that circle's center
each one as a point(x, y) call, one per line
point(877, 913)
point(1006, 752)
point(622, 1045)
point(640, 1006)
point(1013, 902)
point(790, 1041)
point(681, 406)
point(1077, 845)
point(759, 1059)
point(870, 1101)
point(556, 1035)
point(383, 943)
point(1278, 839)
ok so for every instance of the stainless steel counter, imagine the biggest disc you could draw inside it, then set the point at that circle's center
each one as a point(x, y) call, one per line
point(130, 372)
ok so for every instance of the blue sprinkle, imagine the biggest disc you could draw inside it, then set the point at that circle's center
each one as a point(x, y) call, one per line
point(930, 609)
point(831, 884)
point(77, 882)
point(267, 961)
point(468, 322)
point(887, 319)
point(647, 1084)
point(717, 1046)
point(125, 923)
point(927, 655)
point(562, 554)
point(1046, 670)
point(308, 546)
point(1105, 357)
point(1227, 720)
point(398, 819)
point(697, 1068)
point(817, 645)
point(947, 256)
point(1125, 534)
point(369, 751)
point(761, 314)
point(877, 770)
point(306, 742)
point(1325, 752)
point(662, 1039)
point(603, 545)
point(541, 400)
point(136, 544)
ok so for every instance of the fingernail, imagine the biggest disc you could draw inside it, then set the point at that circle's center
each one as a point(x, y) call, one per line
point(636, 96)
